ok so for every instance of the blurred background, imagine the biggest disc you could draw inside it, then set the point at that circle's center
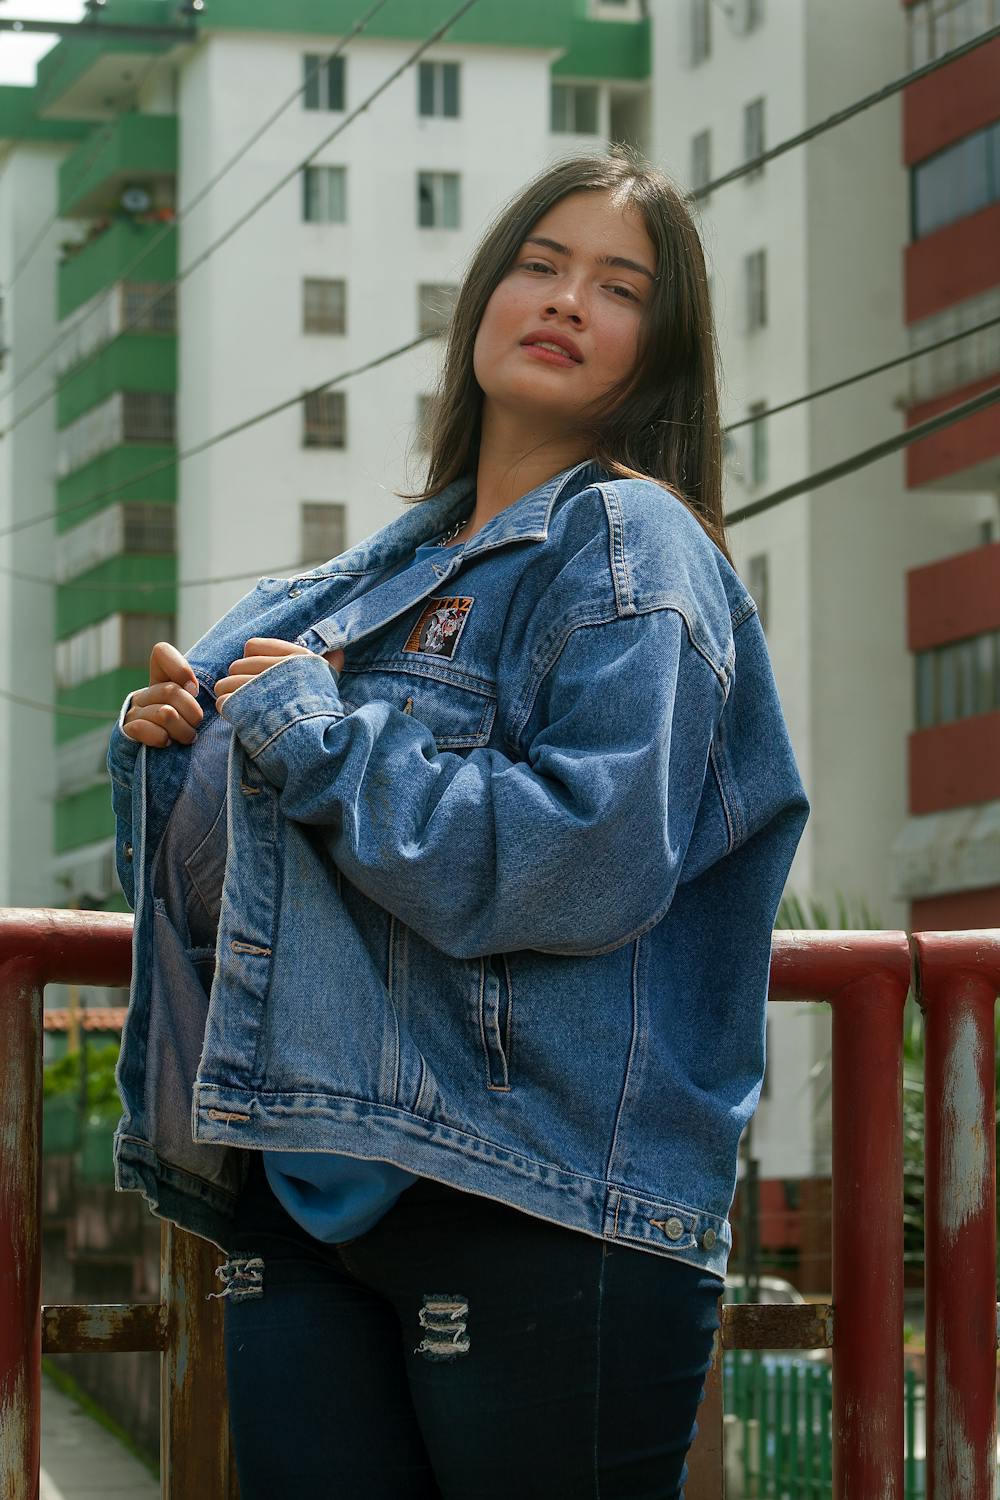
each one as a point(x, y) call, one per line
point(196, 228)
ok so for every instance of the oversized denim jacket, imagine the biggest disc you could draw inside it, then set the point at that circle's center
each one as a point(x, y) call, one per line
point(497, 897)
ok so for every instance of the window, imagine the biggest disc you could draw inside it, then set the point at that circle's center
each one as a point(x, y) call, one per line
point(437, 89)
point(757, 581)
point(957, 680)
point(936, 26)
point(324, 81)
point(135, 526)
point(963, 361)
point(956, 182)
point(574, 108)
point(747, 15)
point(82, 761)
point(437, 200)
point(119, 640)
point(435, 305)
point(701, 30)
point(425, 418)
point(325, 420)
point(125, 417)
point(324, 305)
point(758, 443)
point(701, 163)
point(148, 307)
point(322, 530)
point(755, 277)
point(148, 416)
point(324, 195)
point(753, 134)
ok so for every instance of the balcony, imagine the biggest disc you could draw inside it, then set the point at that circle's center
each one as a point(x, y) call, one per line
point(138, 150)
point(110, 254)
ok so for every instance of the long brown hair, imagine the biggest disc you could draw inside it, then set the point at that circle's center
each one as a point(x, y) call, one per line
point(659, 422)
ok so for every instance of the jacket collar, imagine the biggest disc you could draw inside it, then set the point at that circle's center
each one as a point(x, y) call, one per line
point(527, 519)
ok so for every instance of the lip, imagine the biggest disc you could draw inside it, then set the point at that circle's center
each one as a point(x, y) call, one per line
point(573, 350)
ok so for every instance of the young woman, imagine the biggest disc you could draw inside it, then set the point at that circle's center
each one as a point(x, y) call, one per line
point(533, 804)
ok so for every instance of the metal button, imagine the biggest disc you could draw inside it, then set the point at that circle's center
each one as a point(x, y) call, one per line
point(673, 1229)
point(127, 851)
point(294, 593)
point(708, 1239)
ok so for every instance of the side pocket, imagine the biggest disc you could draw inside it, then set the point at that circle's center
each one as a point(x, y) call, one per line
point(496, 1006)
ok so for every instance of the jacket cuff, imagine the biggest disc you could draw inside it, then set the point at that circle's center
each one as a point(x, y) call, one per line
point(122, 751)
point(296, 687)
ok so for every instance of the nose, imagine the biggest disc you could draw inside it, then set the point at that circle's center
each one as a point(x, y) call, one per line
point(567, 301)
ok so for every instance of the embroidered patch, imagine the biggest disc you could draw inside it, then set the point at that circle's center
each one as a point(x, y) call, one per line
point(441, 623)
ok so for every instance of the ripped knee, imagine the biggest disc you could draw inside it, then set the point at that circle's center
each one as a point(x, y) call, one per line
point(444, 1319)
point(244, 1278)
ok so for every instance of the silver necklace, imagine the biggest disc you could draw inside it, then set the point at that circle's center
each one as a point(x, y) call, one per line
point(452, 532)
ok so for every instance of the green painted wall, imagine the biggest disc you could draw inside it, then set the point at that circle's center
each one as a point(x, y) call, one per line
point(605, 49)
point(105, 693)
point(133, 362)
point(77, 607)
point(105, 261)
point(70, 58)
point(115, 467)
point(83, 818)
point(137, 144)
point(18, 120)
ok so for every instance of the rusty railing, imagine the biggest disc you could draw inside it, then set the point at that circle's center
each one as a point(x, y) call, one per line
point(863, 976)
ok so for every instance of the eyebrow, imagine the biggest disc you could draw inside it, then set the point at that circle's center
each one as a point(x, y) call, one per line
point(602, 260)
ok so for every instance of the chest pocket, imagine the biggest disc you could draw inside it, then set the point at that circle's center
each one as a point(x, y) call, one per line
point(457, 708)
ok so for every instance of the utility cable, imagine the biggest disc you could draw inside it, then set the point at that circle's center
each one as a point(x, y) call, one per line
point(812, 482)
point(210, 442)
point(259, 203)
point(866, 456)
point(840, 116)
point(770, 411)
point(750, 165)
point(209, 186)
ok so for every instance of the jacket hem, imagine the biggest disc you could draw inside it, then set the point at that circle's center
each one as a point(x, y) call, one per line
point(607, 1210)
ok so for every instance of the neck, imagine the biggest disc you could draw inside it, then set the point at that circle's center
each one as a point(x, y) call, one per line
point(512, 462)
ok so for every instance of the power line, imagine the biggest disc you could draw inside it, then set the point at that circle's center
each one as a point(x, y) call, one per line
point(210, 442)
point(147, 249)
point(97, 146)
point(175, 459)
point(244, 218)
point(752, 164)
point(848, 112)
point(866, 456)
point(790, 492)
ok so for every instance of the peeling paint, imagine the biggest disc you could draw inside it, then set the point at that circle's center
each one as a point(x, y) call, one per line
point(964, 1148)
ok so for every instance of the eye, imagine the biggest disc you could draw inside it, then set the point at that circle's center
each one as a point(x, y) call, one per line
point(529, 265)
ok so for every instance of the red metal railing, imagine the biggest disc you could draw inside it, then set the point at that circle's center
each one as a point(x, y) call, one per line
point(863, 976)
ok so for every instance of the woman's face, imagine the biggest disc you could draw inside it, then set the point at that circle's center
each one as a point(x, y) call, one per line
point(566, 287)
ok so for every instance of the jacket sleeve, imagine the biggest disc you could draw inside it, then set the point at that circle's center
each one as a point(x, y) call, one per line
point(575, 850)
point(121, 758)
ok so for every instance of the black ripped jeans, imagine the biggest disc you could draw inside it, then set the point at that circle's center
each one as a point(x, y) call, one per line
point(459, 1350)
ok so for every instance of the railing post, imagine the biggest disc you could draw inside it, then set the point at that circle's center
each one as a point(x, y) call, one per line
point(868, 1238)
point(195, 1456)
point(957, 992)
point(20, 1217)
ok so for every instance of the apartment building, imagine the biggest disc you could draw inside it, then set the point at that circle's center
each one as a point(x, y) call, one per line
point(948, 849)
point(124, 169)
point(807, 254)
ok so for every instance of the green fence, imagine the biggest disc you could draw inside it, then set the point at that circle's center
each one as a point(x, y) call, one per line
point(782, 1406)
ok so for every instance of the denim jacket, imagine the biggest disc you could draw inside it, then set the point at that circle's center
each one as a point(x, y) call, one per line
point(497, 897)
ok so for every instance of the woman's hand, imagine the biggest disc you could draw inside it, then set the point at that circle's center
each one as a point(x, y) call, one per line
point(259, 653)
point(168, 710)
